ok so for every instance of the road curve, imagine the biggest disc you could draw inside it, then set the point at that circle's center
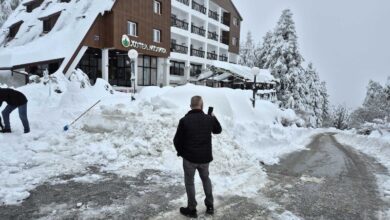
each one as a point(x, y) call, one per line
point(327, 181)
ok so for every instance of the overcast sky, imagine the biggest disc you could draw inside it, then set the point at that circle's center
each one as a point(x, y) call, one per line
point(347, 40)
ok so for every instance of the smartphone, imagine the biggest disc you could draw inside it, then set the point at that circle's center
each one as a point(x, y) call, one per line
point(211, 109)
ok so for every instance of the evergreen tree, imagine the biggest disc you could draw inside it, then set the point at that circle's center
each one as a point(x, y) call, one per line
point(262, 52)
point(284, 59)
point(247, 52)
point(6, 8)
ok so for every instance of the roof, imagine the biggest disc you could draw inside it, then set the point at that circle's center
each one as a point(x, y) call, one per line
point(238, 12)
point(223, 70)
point(30, 45)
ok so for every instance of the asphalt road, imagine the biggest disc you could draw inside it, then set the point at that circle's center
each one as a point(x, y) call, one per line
point(327, 181)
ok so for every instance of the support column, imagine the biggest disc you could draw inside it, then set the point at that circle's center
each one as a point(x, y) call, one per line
point(105, 64)
point(187, 72)
point(166, 72)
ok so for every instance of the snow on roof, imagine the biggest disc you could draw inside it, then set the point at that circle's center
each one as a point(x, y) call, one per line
point(238, 70)
point(30, 45)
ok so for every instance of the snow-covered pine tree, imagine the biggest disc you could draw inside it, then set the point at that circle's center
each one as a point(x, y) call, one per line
point(376, 105)
point(262, 52)
point(284, 59)
point(247, 52)
point(6, 8)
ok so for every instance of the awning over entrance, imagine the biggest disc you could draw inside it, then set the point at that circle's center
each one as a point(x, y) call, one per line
point(220, 71)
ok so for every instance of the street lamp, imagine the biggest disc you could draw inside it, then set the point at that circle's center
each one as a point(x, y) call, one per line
point(133, 55)
point(255, 72)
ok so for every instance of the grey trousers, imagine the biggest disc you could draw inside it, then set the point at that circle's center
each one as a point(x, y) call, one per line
point(189, 175)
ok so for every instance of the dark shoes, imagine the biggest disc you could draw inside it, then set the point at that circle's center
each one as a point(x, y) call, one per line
point(27, 131)
point(188, 212)
point(210, 210)
point(6, 131)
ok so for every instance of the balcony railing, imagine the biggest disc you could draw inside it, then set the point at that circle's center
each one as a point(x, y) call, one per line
point(198, 30)
point(213, 36)
point(214, 15)
point(175, 22)
point(212, 56)
point(197, 53)
point(198, 7)
point(223, 58)
point(186, 2)
point(179, 48)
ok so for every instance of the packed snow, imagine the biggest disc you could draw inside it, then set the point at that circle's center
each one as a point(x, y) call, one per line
point(377, 145)
point(125, 137)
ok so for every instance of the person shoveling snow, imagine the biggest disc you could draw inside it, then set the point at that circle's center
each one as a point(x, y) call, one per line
point(14, 99)
point(193, 142)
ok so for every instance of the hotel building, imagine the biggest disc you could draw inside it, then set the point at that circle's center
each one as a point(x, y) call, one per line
point(177, 40)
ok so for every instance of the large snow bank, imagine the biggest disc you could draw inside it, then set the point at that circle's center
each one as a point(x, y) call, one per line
point(127, 137)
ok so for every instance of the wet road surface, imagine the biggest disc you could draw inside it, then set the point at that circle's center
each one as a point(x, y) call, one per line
point(327, 181)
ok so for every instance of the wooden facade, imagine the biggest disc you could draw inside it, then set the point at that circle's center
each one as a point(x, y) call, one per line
point(108, 29)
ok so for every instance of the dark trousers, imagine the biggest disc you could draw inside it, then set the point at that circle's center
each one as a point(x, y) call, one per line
point(189, 175)
point(22, 115)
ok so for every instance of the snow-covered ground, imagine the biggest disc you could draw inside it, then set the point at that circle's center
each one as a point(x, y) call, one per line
point(125, 137)
point(377, 145)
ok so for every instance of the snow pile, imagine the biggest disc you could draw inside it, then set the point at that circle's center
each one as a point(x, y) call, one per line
point(125, 137)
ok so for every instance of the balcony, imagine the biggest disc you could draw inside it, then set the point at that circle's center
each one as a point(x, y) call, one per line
point(213, 36)
point(186, 2)
point(175, 22)
point(212, 56)
point(198, 7)
point(223, 58)
point(197, 53)
point(179, 48)
point(198, 30)
point(226, 19)
point(214, 15)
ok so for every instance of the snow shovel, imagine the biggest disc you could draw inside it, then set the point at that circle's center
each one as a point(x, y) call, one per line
point(66, 127)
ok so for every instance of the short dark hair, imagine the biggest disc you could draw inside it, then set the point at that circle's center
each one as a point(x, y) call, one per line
point(196, 101)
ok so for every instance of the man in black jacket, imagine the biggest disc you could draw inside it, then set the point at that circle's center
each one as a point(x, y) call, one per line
point(14, 99)
point(193, 142)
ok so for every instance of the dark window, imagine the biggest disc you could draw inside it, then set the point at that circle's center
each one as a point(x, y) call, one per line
point(49, 22)
point(30, 6)
point(120, 69)
point(177, 68)
point(13, 30)
point(90, 64)
point(147, 71)
point(196, 70)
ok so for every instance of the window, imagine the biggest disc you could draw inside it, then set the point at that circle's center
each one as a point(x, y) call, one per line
point(30, 6)
point(132, 28)
point(177, 68)
point(156, 36)
point(235, 21)
point(49, 22)
point(157, 7)
point(147, 71)
point(234, 41)
point(13, 30)
point(196, 70)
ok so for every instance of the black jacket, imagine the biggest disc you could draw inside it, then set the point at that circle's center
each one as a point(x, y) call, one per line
point(12, 97)
point(193, 136)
